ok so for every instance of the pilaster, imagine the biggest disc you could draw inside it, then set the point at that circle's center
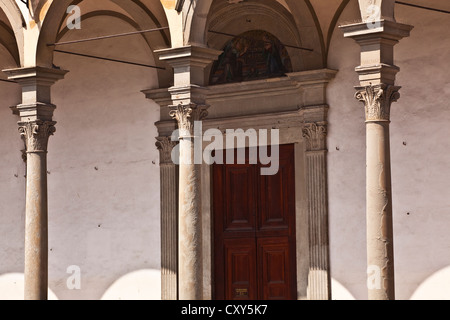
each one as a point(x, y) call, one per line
point(319, 280)
point(169, 219)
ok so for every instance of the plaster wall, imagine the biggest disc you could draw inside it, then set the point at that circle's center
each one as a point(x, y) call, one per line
point(419, 140)
point(103, 172)
point(12, 184)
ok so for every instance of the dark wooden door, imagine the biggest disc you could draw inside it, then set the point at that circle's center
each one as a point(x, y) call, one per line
point(254, 231)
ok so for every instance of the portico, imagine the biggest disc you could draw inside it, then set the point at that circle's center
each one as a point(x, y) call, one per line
point(110, 202)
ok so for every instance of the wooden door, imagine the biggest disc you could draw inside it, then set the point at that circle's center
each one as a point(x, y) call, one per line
point(254, 231)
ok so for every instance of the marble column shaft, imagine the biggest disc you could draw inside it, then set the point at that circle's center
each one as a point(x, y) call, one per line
point(36, 135)
point(380, 238)
point(189, 223)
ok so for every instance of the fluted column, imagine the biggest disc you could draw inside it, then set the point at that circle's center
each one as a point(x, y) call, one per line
point(169, 220)
point(190, 228)
point(314, 135)
point(35, 127)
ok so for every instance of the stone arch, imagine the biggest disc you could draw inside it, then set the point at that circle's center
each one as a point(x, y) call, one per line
point(196, 12)
point(296, 19)
point(139, 12)
point(12, 37)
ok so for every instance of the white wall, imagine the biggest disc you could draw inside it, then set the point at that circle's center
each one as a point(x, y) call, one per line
point(419, 170)
point(104, 180)
point(12, 182)
point(103, 168)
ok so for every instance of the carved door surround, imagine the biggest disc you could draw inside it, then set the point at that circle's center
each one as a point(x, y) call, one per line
point(296, 106)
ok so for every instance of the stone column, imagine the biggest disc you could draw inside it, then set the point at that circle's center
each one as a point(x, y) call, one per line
point(35, 127)
point(189, 105)
point(380, 246)
point(319, 281)
point(190, 227)
point(377, 91)
point(169, 220)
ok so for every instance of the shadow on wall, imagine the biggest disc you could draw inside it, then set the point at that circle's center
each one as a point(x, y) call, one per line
point(12, 287)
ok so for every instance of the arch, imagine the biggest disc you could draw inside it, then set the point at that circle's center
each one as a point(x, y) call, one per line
point(297, 20)
point(108, 13)
point(17, 22)
point(266, 16)
point(196, 12)
point(8, 40)
point(56, 15)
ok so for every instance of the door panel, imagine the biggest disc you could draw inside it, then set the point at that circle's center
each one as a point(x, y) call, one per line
point(241, 200)
point(275, 269)
point(254, 231)
point(240, 265)
point(277, 195)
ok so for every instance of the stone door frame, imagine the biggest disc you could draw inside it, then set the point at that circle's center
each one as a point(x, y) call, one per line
point(304, 124)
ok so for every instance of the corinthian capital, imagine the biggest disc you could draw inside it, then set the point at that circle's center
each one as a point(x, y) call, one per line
point(186, 115)
point(36, 134)
point(315, 135)
point(377, 100)
point(165, 146)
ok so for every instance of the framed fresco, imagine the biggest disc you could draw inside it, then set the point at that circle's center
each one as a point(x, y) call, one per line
point(253, 55)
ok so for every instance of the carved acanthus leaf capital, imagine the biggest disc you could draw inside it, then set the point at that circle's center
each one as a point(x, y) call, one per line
point(165, 146)
point(377, 100)
point(186, 115)
point(315, 135)
point(36, 134)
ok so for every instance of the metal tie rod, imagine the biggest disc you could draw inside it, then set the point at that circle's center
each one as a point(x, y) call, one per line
point(108, 59)
point(106, 37)
point(422, 7)
point(10, 81)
